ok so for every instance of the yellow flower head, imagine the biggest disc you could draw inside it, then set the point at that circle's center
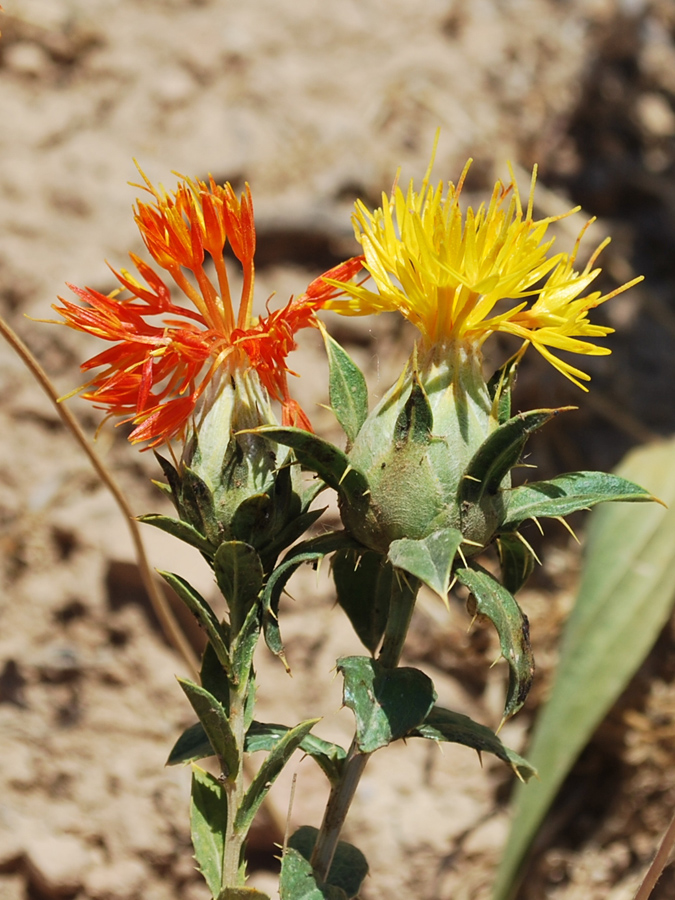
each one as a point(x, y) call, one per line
point(461, 276)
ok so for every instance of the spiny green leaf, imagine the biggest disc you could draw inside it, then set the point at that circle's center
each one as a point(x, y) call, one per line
point(516, 560)
point(416, 420)
point(243, 893)
point(171, 475)
point(213, 717)
point(213, 677)
point(328, 756)
point(495, 602)
point(347, 388)
point(240, 577)
point(500, 387)
point(363, 582)
point(307, 551)
point(349, 867)
point(208, 821)
point(566, 494)
point(387, 703)
point(196, 501)
point(499, 453)
point(181, 530)
point(429, 559)
point(446, 725)
point(243, 646)
point(203, 613)
point(268, 772)
point(298, 882)
point(193, 744)
point(328, 461)
point(624, 600)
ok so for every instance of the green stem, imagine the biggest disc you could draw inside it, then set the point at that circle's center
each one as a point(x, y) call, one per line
point(343, 791)
point(233, 872)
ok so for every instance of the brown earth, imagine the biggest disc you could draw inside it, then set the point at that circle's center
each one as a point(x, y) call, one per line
point(313, 103)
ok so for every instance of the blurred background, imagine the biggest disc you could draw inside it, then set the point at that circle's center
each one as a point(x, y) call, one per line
point(313, 103)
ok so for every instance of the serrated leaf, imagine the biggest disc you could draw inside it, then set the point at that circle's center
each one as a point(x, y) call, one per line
point(240, 578)
point(429, 559)
point(213, 717)
point(363, 582)
point(307, 551)
point(498, 453)
point(268, 772)
point(517, 561)
point(171, 475)
point(202, 611)
point(328, 461)
point(193, 744)
point(213, 677)
point(415, 422)
point(181, 530)
point(387, 703)
point(347, 388)
point(243, 646)
point(446, 725)
point(495, 602)
point(566, 494)
point(349, 867)
point(208, 823)
point(243, 893)
point(328, 756)
point(196, 500)
point(298, 882)
point(500, 387)
point(624, 600)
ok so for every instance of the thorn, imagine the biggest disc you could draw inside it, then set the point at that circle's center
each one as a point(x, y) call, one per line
point(472, 622)
point(538, 524)
point(568, 527)
point(472, 543)
point(499, 658)
point(471, 478)
point(345, 473)
point(282, 657)
point(501, 725)
point(527, 546)
point(459, 550)
point(480, 758)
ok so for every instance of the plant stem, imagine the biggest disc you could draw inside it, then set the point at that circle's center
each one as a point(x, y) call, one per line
point(659, 863)
point(233, 873)
point(167, 620)
point(339, 801)
point(342, 793)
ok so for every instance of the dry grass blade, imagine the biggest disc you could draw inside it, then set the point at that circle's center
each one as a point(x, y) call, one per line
point(659, 863)
point(167, 621)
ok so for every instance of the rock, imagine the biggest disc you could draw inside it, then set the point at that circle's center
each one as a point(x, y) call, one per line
point(117, 881)
point(12, 887)
point(56, 865)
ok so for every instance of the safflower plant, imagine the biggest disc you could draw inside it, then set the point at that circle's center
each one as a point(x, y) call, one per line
point(424, 480)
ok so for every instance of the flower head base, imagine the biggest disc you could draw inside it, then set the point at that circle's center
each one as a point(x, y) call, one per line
point(461, 276)
point(164, 355)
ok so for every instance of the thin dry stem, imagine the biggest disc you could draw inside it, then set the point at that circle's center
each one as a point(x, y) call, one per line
point(659, 863)
point(159, 603)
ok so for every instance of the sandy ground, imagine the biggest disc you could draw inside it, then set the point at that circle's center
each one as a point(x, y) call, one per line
point(313, 103)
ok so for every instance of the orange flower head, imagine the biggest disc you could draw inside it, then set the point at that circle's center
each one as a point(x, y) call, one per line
point(164, 354)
